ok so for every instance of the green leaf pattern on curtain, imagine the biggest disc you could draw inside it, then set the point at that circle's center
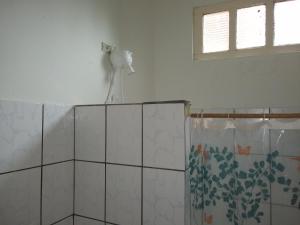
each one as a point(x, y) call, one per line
point(242, 191)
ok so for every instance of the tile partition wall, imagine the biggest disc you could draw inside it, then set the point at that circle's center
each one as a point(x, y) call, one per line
point(135, 174)
point(108, 164)
point(36, 164)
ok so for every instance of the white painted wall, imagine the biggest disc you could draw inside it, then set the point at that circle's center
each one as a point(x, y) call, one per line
point(137, 35)
point(50, 50)
point(243, 82)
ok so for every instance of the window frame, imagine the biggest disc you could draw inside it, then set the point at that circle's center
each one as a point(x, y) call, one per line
point(232, 8)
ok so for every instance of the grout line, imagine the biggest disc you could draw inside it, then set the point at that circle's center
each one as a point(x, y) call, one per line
point(105, 168)
point(55, 163)
point(89, 161)
point(159, 168)
point(20, 170)
point(124, 104)
point(129, 165)
point(89, 105)
point(42, 161)
point(167, 102)
point(61, 219)
point(74, 167)
point(35, 167)
point(185, 163)
point(188, 167)
point(121, 164)
point(90, 218)
point(283, 205)
point(142, 170)
point(104, 105)
point(141, 103)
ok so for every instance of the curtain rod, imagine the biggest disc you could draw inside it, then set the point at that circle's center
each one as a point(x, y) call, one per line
point(246, 115)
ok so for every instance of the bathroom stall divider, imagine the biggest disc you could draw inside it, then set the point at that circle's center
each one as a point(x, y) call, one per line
point(120, 164)
point(142, 160)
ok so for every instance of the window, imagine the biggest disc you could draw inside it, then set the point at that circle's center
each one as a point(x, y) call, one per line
point(251, 29)
point(248, 27)
point(287, 18)
point(216, 32)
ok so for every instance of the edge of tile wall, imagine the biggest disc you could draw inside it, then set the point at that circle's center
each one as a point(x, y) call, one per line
point(160, 170)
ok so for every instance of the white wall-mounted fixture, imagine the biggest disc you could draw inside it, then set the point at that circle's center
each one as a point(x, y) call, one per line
point(120, 60)
point(106, 47)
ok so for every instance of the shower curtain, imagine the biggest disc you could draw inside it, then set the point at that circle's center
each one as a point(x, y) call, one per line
point(244, 172)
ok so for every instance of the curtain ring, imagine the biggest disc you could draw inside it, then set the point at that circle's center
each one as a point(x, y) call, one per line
point(196, 120)
point(201, 118)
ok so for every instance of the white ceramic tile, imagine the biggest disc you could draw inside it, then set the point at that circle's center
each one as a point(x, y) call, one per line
point(90, 189)
point(287, 142)
point(58, 133)
point(68, 221)
point(124, 134)
point(163, 130)
point(123, 197)
point(90, 133)
point(84, 221)
point(20, 197)
point(291, 171)
point(285, 215)
point(20, 135)
point(57, 192)
point(163, 197)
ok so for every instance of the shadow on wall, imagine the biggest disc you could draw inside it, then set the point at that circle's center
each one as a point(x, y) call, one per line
point(20, 135)
point(107, 66)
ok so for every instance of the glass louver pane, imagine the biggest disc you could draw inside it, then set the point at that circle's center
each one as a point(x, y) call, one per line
point(251, 27)
point(216, 32)
point(287, 18)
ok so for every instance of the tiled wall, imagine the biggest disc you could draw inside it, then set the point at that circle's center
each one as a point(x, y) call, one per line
point(36, 164)
point(130, 164)
point(92, 165)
